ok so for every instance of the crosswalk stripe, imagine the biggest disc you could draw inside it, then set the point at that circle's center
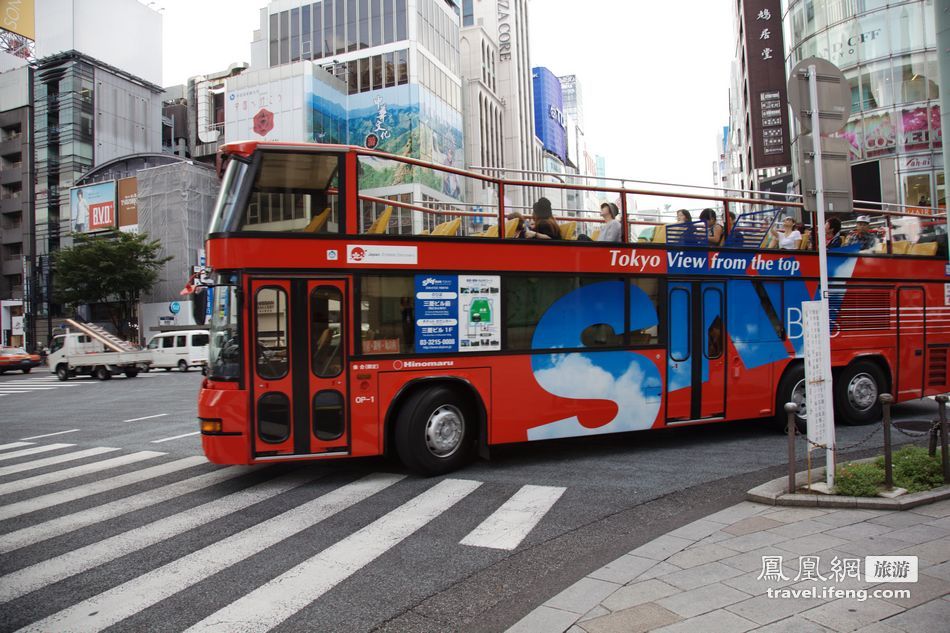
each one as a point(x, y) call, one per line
point(6, 447)
point(37, 437)
point(275, 601)
point(507, 526)
point(36, 449)
point(29, 579)
point(59, 459)
point(76, 471)
point(10, 393)
point(27, 388)
point(84, 518)
point(112, 483)
point(112, 606)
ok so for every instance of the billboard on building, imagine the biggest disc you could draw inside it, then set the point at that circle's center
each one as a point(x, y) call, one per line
point(92, 207)
point(128, 197)
point(549, 122)
point(18, 17)
point(768, 102)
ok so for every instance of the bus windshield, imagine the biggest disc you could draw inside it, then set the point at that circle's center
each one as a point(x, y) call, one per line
point(224, 351)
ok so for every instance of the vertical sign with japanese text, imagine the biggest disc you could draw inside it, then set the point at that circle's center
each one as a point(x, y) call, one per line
point(436, 313)
point(767, 91)
point(818, 395)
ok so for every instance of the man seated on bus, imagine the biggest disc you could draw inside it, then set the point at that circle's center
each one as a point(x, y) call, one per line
point(861, 235)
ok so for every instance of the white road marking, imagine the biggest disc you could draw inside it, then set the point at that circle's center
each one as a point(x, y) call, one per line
point(26, 387)
point(76, 471)
point(6, 447)
point(507, 526)
point(148, 417)
point(32, 451)
point(28, 579)
point(49, 461)
point(8, 393)
point(36, 437)
point(275, 601)
point(87, 490)
point(102, 611)
point(176, 437)
point(84, 518)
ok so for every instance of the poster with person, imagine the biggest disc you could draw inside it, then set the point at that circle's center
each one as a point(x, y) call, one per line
point(92, 207)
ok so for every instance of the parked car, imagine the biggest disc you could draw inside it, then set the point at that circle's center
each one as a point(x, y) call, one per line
point(16, 358)
point(183, 349)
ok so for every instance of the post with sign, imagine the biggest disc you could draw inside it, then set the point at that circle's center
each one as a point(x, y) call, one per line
point(820, 98)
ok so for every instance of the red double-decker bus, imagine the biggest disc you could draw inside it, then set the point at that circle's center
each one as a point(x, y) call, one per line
point(362, 307)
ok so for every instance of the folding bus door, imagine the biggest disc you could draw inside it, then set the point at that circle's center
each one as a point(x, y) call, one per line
point(696, 354)
point(299, 388)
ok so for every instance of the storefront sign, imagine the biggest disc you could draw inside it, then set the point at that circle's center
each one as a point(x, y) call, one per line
point(766, 74)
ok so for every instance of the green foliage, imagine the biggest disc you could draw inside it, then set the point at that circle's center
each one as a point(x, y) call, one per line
point(916, 470)
point(859, 480)
point(114, 268)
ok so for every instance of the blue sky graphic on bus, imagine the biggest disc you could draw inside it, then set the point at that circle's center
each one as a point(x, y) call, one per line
point(628, 379)
point(436, 313)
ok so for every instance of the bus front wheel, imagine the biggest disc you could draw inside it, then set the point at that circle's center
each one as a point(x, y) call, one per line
point(857, 388)
point(434, 431)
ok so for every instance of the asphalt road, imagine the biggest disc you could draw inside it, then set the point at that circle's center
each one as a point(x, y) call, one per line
point(159, 542)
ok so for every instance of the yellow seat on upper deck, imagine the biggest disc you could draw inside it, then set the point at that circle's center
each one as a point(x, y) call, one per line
point(381, 223)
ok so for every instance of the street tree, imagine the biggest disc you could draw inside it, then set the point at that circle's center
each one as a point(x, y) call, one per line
point(112, 269)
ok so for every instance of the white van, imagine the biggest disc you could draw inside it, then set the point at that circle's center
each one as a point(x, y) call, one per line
point(185, 349)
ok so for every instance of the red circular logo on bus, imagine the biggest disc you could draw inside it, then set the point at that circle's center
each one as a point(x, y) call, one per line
point(263, 122)
point(357, 254)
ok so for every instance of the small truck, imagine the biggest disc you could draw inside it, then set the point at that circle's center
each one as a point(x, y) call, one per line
point(95, 352)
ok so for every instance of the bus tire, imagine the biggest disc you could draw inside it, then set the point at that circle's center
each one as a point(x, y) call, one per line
point(102, 373)
point(434, 431)
point(857, 389)
point(62, 372)
point(792, 389)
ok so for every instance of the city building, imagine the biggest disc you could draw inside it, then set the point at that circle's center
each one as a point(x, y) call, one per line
point(759, 142)
point(887, 51)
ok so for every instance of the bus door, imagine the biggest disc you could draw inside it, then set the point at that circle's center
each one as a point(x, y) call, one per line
point(299, 389)
point(696, 358)
point(910, 342)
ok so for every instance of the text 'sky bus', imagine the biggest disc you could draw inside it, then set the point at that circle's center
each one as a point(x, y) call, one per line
point(366, 304)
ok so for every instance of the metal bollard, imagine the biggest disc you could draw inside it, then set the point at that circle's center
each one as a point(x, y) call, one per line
point(791, 409)
point(944, 430)
point(886, 400)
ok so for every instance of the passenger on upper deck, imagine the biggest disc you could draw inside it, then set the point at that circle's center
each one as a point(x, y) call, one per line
point(611, 229)
point(861, 234)
point(833, 233)
point(789, 238)
point(543, 225)
point(684, 217)
point(713, 228)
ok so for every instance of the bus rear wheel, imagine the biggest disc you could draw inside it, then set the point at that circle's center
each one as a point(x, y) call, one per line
point(434, 431)
point(857, 388)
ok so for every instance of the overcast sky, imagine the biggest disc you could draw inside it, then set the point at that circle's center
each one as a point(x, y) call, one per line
point(654, 74)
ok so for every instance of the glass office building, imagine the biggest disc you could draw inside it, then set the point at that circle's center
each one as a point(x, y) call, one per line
point(887, 51)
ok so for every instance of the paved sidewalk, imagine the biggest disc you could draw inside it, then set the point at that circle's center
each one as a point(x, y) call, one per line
point(705, 576)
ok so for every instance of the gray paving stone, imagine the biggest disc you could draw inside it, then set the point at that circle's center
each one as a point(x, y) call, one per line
point(660, 569)
point(582, 596)
point(800, 528)
point(596, 612)
point(750, 583)
point(700, 555)
point(924, 590)
point(738, 512)
point(544, 620)
point(575, 629)
point(812, 544)
point(715, 537)
point(749, 542)
point(697, 529)
point(937, 510)
point(639, 619)
point(927, 618)
point(920, 534)
point(763, 609)
point(873, 546)
point(624, 569)
point(837, 518)
point(713, 622)
point(865, 529)
point(932, 553)
point(941, 523)
point(700, 575)
point(662, 548)
point(751, 524)
point(752, 561)
point(877, 627)
point(899, 520)
point(702, 600)
point(941, 571)
point(848, 614)
point(639, 593)
point(794, 515)
point(794, 624)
